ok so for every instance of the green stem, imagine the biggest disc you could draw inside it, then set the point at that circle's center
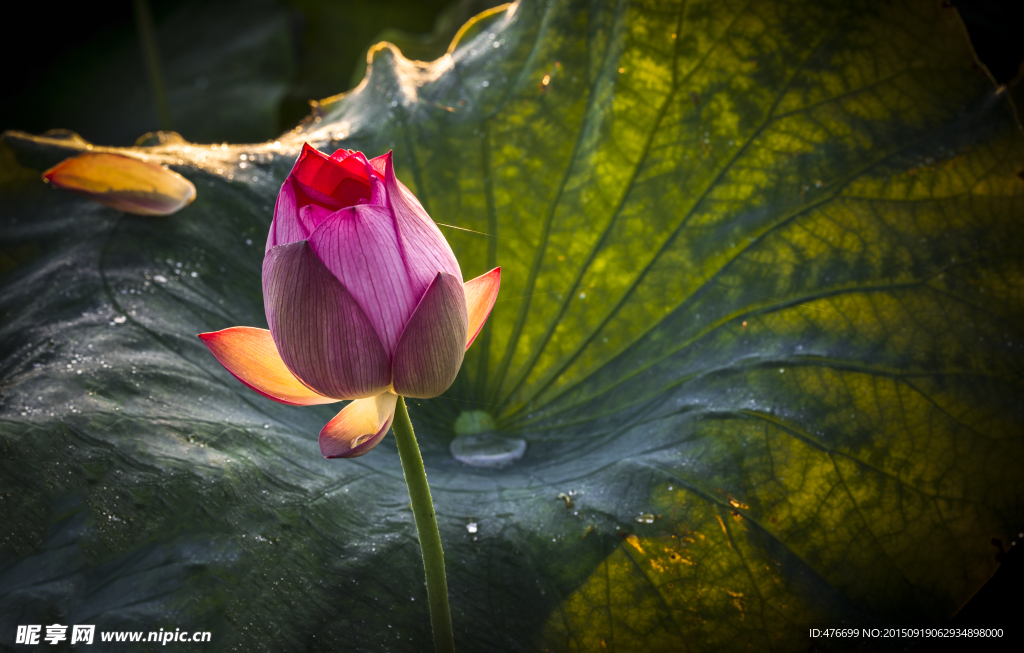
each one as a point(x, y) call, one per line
point(151, 53)
point(426, 528)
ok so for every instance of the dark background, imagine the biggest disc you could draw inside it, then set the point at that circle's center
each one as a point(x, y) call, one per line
point(245, 71)
point(234, 70)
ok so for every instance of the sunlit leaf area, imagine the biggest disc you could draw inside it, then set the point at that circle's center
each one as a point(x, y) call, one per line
point(759, 331)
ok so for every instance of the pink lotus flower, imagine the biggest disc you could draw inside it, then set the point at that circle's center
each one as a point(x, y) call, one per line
point(364, 299)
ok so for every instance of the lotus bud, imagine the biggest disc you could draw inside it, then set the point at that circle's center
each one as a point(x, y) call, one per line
point(364, 298)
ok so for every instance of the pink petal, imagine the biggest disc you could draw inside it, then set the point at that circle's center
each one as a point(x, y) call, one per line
point(480, 296)
point(286, 227)
point(358, 427)
point(356, 161)
point(312, 216)
point(431, 348)
point(323, 335)
point(424, 249)
point(251, 355)
point(334, 184)
point(360, 247)
point(380, 164)
point(305, 197)
point(379, 194)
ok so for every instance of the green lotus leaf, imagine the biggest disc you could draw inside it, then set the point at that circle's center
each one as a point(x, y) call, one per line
point(759, 327)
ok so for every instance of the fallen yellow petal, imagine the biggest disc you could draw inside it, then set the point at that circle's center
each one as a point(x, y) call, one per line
point(123, 183)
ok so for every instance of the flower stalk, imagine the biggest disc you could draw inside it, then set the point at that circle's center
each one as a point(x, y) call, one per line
point(426, 529)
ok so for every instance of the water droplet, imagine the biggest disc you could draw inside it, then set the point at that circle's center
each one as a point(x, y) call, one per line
point(160, 278)
point(248, 241)
point(488, 450)
point(120, 319)
point(471, 527)
point(485, 83)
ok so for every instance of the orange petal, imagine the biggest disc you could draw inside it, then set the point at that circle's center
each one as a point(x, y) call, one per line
point(251, 355)
point(480, 296)
point(358, 427)
point(123, 183)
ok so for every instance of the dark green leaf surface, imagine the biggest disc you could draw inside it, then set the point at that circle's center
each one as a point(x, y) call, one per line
point(759, 321)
